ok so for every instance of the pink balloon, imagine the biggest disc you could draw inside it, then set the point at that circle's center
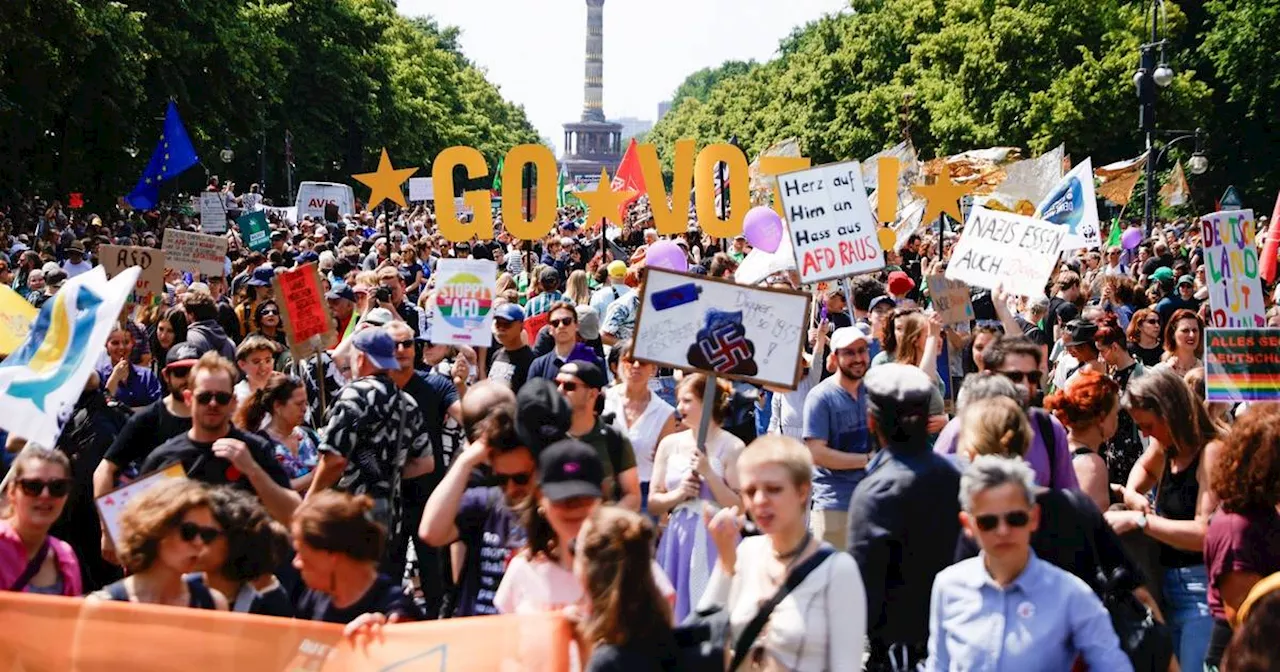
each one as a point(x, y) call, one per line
point(763, 228)
point(1131, 238)
point(666, 255)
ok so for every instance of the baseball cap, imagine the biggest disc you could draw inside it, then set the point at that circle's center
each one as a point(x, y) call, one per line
point(882, 299)
point(587, 372)
point(378, 317)
point(307, 257)
point(511, 312)
point(845, 337)
point(181, 354)
point(1187, 280)
point(570, 468)
point(261, 277)
point(617, 269)
point(1162, 274)
point(378, 346)
point(542, 414)
point(588, 322)
point(340, 291)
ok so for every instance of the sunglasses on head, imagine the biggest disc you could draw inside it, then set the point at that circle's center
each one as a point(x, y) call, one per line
point(190, 531)
point(1023, 376)
point(32, 487)
point(501, 480)
point(1014, 519)
point(562, 322)
point(223, 398)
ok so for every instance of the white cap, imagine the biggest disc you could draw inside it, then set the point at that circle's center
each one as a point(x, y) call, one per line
point(845, 337)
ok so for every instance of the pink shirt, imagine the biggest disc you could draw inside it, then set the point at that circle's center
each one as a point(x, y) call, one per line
point(13, 560)
point(537, 586)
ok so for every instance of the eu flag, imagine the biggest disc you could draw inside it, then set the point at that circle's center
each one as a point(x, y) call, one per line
point(173, 155)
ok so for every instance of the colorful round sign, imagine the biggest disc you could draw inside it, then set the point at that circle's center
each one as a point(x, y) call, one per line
point(464, 301)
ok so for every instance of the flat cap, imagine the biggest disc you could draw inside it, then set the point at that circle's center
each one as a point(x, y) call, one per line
point(898, 394)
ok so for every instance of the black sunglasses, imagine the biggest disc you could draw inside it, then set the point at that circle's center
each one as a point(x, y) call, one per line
point(178, 371)
point(562, 322)
point(58, 487)
point(190, 531)
point(501, 480)
point(1014, 519)
point(270, 312)
point(404, 345)
point(223, 398)
point(567, 386)
point(1018, 377)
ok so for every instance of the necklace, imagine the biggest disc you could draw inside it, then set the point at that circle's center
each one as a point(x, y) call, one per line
point(804, 543)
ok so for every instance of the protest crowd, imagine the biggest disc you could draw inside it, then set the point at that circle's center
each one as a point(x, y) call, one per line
point(1041, 484)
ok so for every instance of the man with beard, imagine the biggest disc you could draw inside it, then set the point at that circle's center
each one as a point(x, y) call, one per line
point(835, 430)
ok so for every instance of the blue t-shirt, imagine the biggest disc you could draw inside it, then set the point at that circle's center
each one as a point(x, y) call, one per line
point(831, 415)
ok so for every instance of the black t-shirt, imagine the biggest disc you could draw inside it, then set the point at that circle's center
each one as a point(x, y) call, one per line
point(511, 366)
point(383, 597)
point(434, 394)
point(146, 430)
point(198, 460)
point(1148, 356)
point(1033, 332)
point(634, 657)
point(1061, 311)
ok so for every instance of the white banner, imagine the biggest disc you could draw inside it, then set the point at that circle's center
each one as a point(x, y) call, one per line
point(422, 189)
point(1073, 204)
point(1003, 248)
point(463, 310)
point(213, 212)
point(833, 229)
point(194, 252)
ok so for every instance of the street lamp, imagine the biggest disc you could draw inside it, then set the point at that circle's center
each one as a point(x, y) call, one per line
point(226, 155)
point(1153, 73)
point(1198, 163)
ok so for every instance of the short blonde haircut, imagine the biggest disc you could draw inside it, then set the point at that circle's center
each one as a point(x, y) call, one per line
point(148, 517)
point(783, 451)
point(213, 362)
point(993, 426)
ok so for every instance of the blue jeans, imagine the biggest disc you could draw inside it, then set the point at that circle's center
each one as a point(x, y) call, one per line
point(1186, 592)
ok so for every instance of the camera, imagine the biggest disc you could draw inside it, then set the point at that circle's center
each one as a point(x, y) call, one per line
point(382, 294)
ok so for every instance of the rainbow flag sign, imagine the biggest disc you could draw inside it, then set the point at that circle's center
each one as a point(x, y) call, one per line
point(463, 310)
point(1242, 364)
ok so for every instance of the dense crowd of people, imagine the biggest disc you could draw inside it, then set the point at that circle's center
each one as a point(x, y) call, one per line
point(1041, 488)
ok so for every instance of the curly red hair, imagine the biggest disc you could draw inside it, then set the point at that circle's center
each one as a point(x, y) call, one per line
point(1087, 398)
point(1247, 475)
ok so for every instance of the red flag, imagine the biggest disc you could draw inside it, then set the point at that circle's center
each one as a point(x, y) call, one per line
point(1273, 245)
point(628, 177)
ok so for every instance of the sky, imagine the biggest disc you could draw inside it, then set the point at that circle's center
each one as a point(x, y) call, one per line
point(533, 49)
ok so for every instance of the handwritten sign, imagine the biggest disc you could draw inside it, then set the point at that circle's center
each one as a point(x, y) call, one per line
point(213, 212)
point(1003, 248)
point(195, 252)
point(255, 231)
point(462, 312)
point(1231, 268)
point(1242, 364)
point(950, 299)
point(421, 189)
point(696, 323)
point(111, 505)
point(304, 311)
point(833, 229)
point(116, 258)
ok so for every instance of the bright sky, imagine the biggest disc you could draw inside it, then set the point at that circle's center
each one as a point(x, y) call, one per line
point(533, 49)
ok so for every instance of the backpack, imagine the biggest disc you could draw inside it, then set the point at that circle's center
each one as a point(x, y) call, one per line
point(614, 447)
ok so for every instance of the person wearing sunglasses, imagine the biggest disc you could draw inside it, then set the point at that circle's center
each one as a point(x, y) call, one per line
point(1006, 608)
point(562, 320)
point(31, 560)
point(163, 534)
point(215, 452)
point(267, 318)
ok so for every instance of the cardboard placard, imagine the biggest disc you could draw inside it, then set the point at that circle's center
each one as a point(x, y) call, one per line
point(1242, 364)
point(213, 212)
point(1231, 269)
point(422, 189)
point(833, 230)
point(462, 313)
point(951, 299)
point(304, 311)
point(1003, 248)
point(116, 258)
point(111, 505)
point(195, 252)
point(255, 232)
point(696, 323)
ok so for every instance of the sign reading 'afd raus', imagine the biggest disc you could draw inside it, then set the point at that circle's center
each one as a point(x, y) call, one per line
point(689, 171)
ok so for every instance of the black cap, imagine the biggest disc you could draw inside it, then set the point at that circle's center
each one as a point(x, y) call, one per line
point(898, 394)
point(570, 468)
point(542, 414)
point(181, 352)
point(1081, 332)
point(587, 372)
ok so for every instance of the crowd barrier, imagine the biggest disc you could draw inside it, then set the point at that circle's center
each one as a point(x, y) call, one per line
point(39, 633)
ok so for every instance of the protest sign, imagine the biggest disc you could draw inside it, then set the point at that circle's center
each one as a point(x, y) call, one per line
point(950, 299)
point(116, 258)
point(461, 314)
point(111, 505)
point(1072, 204)
point(833, 229)
point(106, 635)
point(1003, 248)
point(255, 232)
point(304, 311)
point(195, 252)
point(1242, 364)
point(16, 316)
point(213, 212)
point(1231, 269)
point(75, 200)
point(697, 323)
point(421, 189)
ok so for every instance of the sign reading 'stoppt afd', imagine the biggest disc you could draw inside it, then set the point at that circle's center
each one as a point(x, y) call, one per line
point(696, 323)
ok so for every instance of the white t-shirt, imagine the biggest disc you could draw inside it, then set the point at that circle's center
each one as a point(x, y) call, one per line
point(644, 434)
point(540, 585)
point(76, 269)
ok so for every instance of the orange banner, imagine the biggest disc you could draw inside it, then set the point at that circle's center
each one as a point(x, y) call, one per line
point(39, 633)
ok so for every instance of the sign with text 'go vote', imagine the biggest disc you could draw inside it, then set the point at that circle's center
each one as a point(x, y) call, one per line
point(833, 229)
point(1003, 248)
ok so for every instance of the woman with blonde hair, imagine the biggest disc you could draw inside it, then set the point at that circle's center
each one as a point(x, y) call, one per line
point(915, 339)
point(821, 624)
point(163, 534)
point(576, 288)
point(32, 560)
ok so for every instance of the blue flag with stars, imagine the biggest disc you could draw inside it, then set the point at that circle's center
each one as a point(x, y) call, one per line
point(174, 154)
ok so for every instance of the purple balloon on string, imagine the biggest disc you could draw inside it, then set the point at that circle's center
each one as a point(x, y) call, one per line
point(666, 255)
point(762, 227)
point(1131, 238)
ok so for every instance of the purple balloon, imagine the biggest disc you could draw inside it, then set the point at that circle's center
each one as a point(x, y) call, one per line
point(666, 255)
point(763, 228)
point(1131, 238)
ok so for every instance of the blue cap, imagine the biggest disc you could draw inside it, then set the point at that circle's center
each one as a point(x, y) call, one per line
point(307, 257)
point(261, 277)
point(511, 312)
point(341, 291)
point(378, 346)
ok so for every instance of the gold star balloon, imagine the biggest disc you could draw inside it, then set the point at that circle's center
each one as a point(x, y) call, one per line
point(385, 184)
point(943, 196)
point(603, 202)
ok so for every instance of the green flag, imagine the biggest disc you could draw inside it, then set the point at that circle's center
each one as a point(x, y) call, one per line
point(497, 178)
point(560, 191)
point(1114, 238)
